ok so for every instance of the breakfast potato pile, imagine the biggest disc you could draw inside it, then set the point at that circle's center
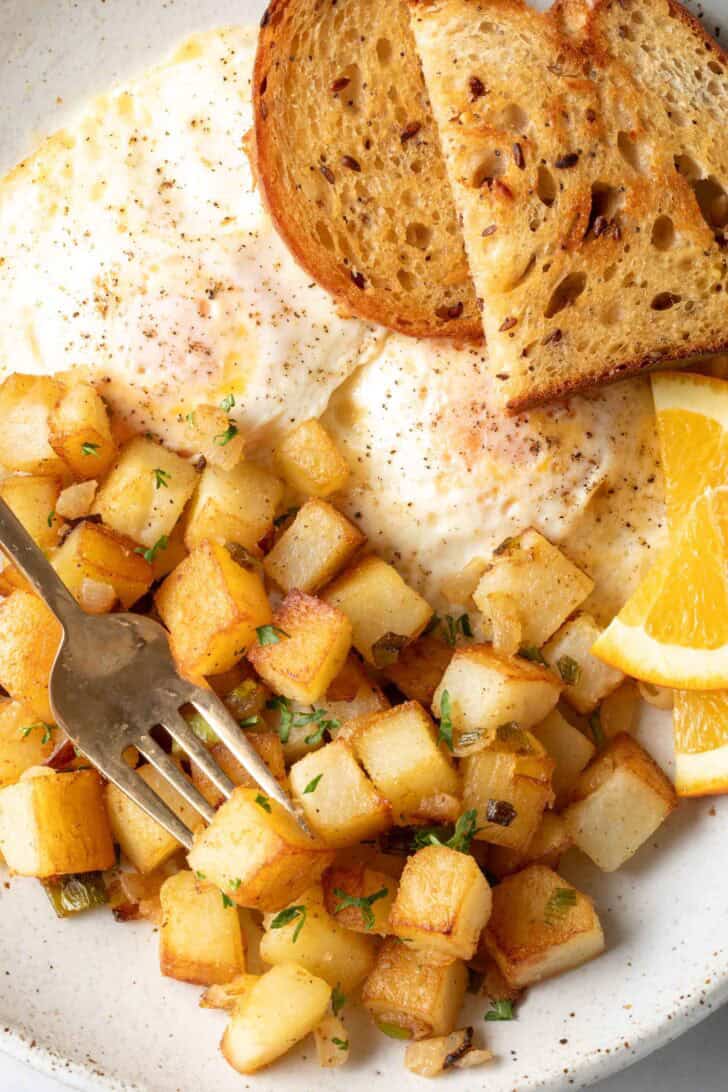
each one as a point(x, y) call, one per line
point(443, 765)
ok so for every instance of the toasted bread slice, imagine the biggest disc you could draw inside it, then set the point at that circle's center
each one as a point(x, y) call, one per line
point(350, 165)
point(588, 157)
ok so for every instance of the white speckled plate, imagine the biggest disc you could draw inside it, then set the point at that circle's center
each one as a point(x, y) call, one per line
point(84, 998)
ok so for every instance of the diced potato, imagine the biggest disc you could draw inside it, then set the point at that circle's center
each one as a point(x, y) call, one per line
point(25, 403)
point(76, 501)
point(360, 882)
point(257, 853)
point(55, 825)
point(93, 552)
point(544, 584)
point(313, 642)
point(342, 807)
point(199, 938)
point(281, 1008)
point(587, 679)
point(209, 433)
point(406, 991)
point(619, 802)
point(549, 843)
point(509, 785)
point(317, 941)
point(506, 624)
point(315, 547)
point(487, 690)
point(237, 505)
point(332, 1042)
point(269, 747)
point(442, 904)
point(80, 432)
point(419, 668)
point(383, 610)
point(24, 740)
point(570, 750)
point(618, 711)
point(30, 639)
point(212, 608)
point(399, 750)
point(141, 839)
point(352, 693)
point(540, 926)
point(145, 491)
point(32, 498)
point(310, 461)
point(167, 556)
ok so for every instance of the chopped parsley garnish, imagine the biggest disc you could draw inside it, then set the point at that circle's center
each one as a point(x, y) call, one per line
point(386, 649)
point(535, 655)
point(161, 478)
point(500, 1010)
point(460, 839)
point(249, 722)
point(361, 902)
point(150, 554)
point(312, 785)
point(338, 999)
point(561, 900)
point(235, 884)
point(342, 1044)
point(285, 917)
point(89, 449)
point(285, 515)
point(200, 875)
point(47, 730)
point(51, 517)
point(595, 727)
point(451, 627)
point(290, 719)
point(225, 437)
point(286, 716)
point(227, 403)
point(569, 670)
point(263, 802)
point(444, 734)
point(227, 901)
point(270, 635)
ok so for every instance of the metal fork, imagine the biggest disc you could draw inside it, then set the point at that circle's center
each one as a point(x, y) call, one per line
point(114, 680)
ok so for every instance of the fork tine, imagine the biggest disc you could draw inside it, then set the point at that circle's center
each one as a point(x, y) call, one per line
point(124, 777)
point(226, 727)
point(180, 731)
point(172, 774)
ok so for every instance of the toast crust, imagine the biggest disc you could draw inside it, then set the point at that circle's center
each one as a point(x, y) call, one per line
point(325, 187)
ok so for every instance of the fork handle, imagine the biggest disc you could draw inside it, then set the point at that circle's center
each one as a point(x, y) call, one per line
point(33, 564)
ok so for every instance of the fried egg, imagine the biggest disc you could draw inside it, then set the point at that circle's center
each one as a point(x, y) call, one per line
point(135, 248)
point(440, 477)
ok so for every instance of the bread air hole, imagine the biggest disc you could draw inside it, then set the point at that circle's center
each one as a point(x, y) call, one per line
point(384, 50)
point(512, 117)
point(566, 292)
point(491, 166)
point(546, 186)
point(629, 150)
point(710, 195)
point(419, 235)
point(663, 233)
point(663, 301)
point(606, 201)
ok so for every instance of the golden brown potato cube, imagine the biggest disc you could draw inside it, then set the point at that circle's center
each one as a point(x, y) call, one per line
point(212, 608)
point(419, 668)
point(509, 789)
point(486, 690)
point(618, 711)
point(570, 750)
point(55, 825)
point(311, 641)
point(141, 839)
point(315, 547)
point(548, 845)
point(30, 639)
point(385, 613)
point(257, 853)
point(358, 882)
point(93, 552)
point(209, 433)
point(352, 693)
point(443, 902)
point(25, 403)
point(169, 553)
point(407, 993)
point(540, 926)
point(236, 505)
point(587, 679)
point(284, 1006)
point(200, 938)
point(540, 579)
point(32, 498)
point(619, 802)
point(310, 461)
point(24, 740)
point(399, 750)
point(316, 940)
point(80, 432)
point(269, 747)
point(145, 491)
point(338, 800)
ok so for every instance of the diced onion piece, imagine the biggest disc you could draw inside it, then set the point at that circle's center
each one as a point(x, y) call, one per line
point(659, 696)
point(332, 1042)
point(430, 1057)
point(618, 711)
point(75, 502)
point(506, 625)
point(96, 597)
point(224, 997)
point(36, 771)
point(133, 897)
point(473, 1058)
point(460, 587)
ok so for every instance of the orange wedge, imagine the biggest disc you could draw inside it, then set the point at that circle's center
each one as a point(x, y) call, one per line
point(700, 720)
point(692, 422)
point(674, 629)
